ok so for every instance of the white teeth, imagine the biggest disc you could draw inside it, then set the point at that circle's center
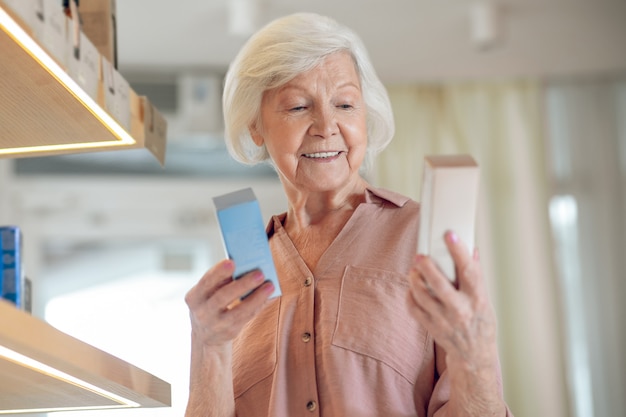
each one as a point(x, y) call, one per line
point(321, 154)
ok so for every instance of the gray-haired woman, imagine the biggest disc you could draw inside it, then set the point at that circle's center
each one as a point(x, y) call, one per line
point(364, 327)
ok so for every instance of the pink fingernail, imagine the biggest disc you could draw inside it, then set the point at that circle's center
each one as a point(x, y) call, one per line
point(453, 237)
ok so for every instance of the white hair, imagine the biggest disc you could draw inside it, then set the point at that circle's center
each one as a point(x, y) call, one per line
point(276, 54)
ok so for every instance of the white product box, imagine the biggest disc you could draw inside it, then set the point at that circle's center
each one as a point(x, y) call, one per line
point(449, 202)
point(53, 34)
point(84, 66)
point(116, 94)
point(30, 11)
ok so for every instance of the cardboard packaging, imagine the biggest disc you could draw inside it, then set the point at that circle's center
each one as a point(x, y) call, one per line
point(98, 19)
point(84, 66)
point(116, 94)
point(449, 202)
point(155, 130)
point(29, 11)
point(148, 126)
point(27, 295)
point(11, 267)
point(53, 34)
point(243, 234)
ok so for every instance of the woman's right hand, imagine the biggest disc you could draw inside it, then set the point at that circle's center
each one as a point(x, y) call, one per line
point(217, 315)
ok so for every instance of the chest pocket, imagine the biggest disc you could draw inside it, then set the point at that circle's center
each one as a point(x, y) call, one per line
point(255, 349)
point(375, 319)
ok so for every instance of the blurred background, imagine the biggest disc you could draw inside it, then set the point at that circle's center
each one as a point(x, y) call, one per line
point(535, 90)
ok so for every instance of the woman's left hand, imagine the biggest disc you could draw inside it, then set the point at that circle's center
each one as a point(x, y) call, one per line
point(462, 321)
point(459, 317)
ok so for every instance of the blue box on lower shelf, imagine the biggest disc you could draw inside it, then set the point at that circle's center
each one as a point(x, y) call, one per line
point(11, 272)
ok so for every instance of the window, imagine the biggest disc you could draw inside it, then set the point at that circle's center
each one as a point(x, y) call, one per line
point(587, 142)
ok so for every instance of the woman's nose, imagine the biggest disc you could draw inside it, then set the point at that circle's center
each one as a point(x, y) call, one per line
point(324, 123)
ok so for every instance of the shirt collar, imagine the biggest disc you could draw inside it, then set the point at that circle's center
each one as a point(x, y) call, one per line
point(373, 195)
point(380, 195)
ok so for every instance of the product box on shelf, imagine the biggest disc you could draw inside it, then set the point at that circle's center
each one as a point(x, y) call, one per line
point(155, 129)
point(52, 31)
point(99, 24)
point(29, 11)
point(46, 23)
point(11, 267)
point(84, 66)
point(448, 202)
point(148, 126)
point(116, 92)
point(83, 62)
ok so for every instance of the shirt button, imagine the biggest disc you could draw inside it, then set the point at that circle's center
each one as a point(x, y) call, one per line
point(308, 281)
point(306, 337)
point(311, 406)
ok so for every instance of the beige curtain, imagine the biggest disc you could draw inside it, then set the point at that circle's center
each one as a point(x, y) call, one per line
point(587, 126)
point(501, 125)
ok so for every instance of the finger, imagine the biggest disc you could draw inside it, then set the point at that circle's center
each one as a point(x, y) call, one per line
point(242, 311)
point(236, 289)
point(422, 315)
point(426, 299)
point(215, 278)
point(418, 285)
point(434, 279)
point(468, 272)
point(428, 310)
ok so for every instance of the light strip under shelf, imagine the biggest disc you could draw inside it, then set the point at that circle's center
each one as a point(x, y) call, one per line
point(13, 29)
point(47, 370)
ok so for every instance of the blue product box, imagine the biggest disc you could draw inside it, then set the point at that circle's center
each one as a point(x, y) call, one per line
point(244, 236)
point(11, 264)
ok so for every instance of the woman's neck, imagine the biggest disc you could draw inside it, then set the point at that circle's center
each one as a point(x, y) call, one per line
point(307, 209)
point(314, 220)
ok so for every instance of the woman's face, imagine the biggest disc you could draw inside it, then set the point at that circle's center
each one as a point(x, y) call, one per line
point(314, 127)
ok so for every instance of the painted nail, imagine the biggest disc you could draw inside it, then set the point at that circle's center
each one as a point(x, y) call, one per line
point(454, 238)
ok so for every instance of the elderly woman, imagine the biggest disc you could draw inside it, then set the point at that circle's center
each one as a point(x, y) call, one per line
point(364, 326)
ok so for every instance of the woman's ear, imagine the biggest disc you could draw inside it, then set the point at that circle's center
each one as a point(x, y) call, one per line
point(256, 136)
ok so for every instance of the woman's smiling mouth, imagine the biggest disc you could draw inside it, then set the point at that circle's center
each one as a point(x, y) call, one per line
point(321, 155)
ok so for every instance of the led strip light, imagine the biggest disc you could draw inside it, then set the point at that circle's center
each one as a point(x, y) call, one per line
point(13, 29)
point(44, 369)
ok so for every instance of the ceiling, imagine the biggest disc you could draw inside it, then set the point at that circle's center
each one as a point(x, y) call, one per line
point(408, 40)
point(162, 42)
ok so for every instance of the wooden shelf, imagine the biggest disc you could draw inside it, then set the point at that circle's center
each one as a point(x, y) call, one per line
point(38, 110)
point(24, 388)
